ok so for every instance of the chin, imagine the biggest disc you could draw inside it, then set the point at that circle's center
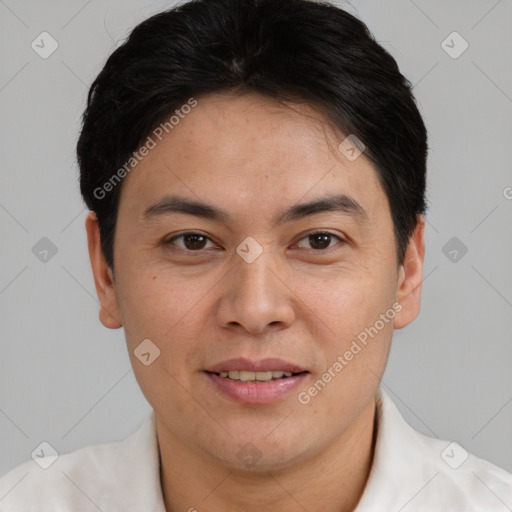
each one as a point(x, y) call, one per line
point(260, 455)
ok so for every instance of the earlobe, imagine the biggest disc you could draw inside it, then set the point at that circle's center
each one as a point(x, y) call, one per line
point(411, 276)
point(103, 276)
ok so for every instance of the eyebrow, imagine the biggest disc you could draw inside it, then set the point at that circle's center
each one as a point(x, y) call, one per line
point(341, 203)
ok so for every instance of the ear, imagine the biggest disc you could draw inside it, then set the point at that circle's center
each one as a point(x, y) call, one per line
point(103, 276)
point(411, 276)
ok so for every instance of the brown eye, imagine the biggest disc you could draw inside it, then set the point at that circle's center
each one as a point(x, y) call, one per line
point(190, 241)
point(319, 240)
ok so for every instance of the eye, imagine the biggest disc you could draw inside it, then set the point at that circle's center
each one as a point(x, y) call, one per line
point(195, 241)
point(191, 241)
point(319, 240)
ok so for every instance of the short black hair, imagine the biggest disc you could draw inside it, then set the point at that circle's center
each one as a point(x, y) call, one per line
point(289, 50)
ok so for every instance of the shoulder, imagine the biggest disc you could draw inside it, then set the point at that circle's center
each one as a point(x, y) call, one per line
point(47, 481)
point(84, 480)
point(412, 471)
point(464, 478)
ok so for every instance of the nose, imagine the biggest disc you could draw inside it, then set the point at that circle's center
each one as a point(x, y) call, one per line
point(256, 297)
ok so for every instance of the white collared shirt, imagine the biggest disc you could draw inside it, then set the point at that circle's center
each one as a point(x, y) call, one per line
point(410, 473)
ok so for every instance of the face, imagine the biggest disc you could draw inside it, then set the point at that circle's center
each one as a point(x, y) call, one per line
point(285, 263)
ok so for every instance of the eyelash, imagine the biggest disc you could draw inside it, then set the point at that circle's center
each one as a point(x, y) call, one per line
point(181, 235)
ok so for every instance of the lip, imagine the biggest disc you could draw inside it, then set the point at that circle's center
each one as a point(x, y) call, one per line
point(255, 393)
point(264, 365)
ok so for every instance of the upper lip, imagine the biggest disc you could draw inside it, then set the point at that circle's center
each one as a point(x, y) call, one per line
point(263, 365)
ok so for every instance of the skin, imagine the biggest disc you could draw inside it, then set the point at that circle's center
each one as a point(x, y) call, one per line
point(297, 301)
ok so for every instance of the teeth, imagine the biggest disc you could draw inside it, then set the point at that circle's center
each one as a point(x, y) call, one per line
point(246, 376)
point(243, 375)
point(279, 374)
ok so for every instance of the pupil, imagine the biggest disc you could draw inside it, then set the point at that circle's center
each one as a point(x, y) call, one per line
point(194, 241)
point(321, 239)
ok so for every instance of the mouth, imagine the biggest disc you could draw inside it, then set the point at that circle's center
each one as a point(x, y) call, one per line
point(256, 382)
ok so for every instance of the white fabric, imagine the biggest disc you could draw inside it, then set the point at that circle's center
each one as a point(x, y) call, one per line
point(408, 474)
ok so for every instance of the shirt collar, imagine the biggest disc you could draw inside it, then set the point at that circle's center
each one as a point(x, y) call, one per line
point(136, 484)
point(400, 466)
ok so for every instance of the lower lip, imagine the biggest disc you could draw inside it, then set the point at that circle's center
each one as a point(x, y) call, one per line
point(257, 392)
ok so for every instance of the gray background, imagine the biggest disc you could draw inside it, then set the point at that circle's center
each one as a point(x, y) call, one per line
point(67, 380)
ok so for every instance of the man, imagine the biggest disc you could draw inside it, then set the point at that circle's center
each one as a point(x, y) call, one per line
point(255, 171)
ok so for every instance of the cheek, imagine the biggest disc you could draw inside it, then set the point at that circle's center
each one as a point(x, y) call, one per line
point(148, 303)
point(168, 309)
point(349, 329)
point(353, 339)
point(349, 300)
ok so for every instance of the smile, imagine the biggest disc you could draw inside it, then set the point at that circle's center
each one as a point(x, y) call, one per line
point(252, 382)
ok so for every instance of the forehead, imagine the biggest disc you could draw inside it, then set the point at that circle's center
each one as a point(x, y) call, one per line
point(250, 153)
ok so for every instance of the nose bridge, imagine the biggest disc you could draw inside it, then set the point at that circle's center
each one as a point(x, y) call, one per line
point(256, 296)
point(254, 282)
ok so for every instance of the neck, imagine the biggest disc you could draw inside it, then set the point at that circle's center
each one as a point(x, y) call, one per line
point(332, 480)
